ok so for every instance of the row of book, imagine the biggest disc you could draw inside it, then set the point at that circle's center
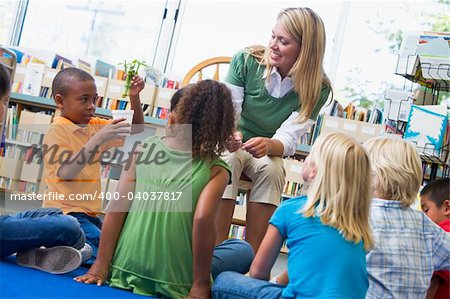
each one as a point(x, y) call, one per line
point(373, 116)
point(20, 176)
point(27, 154)
point(6, 183)
point(30, 127)
point(20, 171)
point(34, 76)
point(58, 62)
point(292, 189)
point(364, 122)
point(36, 80)
point(237, 232)
point(27, 187)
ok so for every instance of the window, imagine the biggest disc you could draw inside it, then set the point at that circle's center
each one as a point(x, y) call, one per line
point(109, 30)
point(373, 33)
point(221, 28)
point(7, 11)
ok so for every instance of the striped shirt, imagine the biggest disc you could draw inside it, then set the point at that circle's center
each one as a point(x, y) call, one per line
point(408, 248)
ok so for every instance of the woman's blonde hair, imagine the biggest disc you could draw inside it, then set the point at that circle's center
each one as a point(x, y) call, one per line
point(307, 73)
point(340, 191)
point(396, 169)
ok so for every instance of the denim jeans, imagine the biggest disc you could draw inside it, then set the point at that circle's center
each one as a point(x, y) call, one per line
point(92, 227)
point(231, 255)
point(237, 286)
point(42, 227)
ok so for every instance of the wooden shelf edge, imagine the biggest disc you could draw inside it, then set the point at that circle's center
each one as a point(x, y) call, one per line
point(49, 104)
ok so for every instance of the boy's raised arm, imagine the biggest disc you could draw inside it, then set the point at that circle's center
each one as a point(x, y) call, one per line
point(137, 85)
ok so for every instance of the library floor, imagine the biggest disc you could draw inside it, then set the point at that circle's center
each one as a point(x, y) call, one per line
point(11, 207)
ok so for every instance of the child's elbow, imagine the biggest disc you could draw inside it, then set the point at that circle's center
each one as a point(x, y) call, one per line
point(203, 221)
point(63, 174)
point(258, 272)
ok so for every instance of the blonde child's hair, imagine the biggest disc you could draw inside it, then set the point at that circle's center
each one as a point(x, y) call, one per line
point(306, 27)
point(340, 191)
point(396, 169)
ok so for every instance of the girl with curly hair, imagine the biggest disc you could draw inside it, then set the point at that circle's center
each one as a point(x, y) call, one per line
point(161, 241)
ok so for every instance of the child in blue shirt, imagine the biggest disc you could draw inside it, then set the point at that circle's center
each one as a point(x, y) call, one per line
point(327, 231)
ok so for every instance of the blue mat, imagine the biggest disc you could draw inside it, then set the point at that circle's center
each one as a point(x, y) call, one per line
point(21, 282)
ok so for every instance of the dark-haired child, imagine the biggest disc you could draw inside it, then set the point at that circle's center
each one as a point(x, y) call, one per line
point(435, 202)
point(24, 233)
point(5, 89)
point(73, 144)
point(165, 246)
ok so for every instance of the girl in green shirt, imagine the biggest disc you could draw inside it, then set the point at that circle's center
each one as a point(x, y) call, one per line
point(161, 242)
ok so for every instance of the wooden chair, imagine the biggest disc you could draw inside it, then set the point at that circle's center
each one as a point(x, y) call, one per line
point(200, 68)
point(245, 183)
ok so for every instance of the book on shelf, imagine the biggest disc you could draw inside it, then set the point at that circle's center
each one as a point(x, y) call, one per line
point(85, 66)
point(120, 75)
point(397, 104)
point(161, 103)
point(33, 79)
point(366, 123)
point(422, 55)
point(294, 181)
point(11, 122)
point(434, 57)
point(104, 69)
point(19, 77)
point(426, 128)
point(237, 232)
point(153, 76)
point(58, 61)
point(349, 111)
point(47, 80)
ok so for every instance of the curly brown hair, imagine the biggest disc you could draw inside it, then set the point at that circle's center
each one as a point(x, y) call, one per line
point(208, 107)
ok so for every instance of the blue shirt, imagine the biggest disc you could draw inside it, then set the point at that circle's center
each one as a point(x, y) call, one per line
point(321, 263)
point(408, 248)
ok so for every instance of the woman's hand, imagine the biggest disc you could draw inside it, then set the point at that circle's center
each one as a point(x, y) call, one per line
point(97, 274)
point(234, 142)
point(258, 147)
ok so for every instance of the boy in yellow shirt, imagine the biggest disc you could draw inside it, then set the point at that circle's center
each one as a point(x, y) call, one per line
point(74, 144)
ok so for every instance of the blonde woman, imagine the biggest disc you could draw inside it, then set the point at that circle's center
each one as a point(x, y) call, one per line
point(408, 245)
point(278, 91)
point(327, 231)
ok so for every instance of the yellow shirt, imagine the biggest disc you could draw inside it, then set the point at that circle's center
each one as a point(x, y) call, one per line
point(82, 193)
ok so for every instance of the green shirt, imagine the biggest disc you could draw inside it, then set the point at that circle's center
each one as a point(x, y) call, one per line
point(154, 253)
point(262, 114)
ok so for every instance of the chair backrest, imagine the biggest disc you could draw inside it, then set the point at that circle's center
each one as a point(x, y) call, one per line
point(199, 68)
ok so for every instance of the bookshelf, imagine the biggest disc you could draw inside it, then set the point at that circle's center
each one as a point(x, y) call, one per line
point(50, 104)
point(22, 167)
point(419, 66)
point(19, 170)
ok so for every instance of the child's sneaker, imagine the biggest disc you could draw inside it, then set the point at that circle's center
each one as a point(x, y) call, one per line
point(55, 260)
point(86, 252)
